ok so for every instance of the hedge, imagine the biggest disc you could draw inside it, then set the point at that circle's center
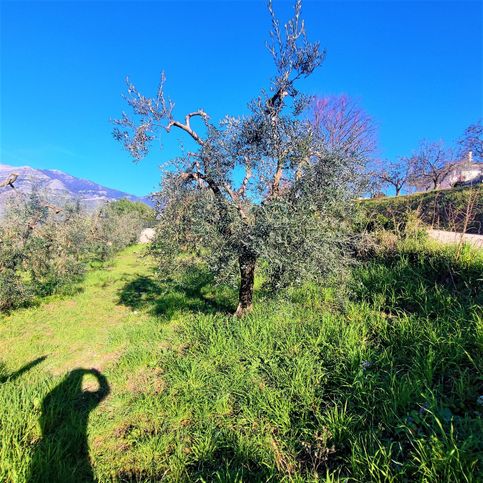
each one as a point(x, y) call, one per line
point(457, 209)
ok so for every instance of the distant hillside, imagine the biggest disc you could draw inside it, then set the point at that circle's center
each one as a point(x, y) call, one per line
point(59, 188)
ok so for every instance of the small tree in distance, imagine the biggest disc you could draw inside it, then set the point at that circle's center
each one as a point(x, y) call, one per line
point(431, 164)
point(266, 186)
point(396, 174)
point(472, 141)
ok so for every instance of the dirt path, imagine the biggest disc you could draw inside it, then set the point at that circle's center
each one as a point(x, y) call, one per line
point(76, 331)
point(451, 237)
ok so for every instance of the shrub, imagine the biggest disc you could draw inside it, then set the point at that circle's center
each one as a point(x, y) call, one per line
point(118, 225)
point(56, 253)
point(14, 292)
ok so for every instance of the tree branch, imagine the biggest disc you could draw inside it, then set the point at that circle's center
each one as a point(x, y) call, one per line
point(10, 181)
point(187, 127)
point(236, 200)
point(246, 179)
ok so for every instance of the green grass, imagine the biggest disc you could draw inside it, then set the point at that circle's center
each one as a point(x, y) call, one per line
point(379, 386)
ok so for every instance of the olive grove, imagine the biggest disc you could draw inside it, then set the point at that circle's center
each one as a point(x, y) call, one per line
point(46, 249)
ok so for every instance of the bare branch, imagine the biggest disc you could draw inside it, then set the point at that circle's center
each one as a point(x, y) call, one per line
point(472, 142)
point(432, 164)
point(10, 181)
point(55, 209)
point(246, 179)
point(277, 177)
point(344, 125)
point(200, 113)
point(186, 127)
point(396, 174)
point(236, 200)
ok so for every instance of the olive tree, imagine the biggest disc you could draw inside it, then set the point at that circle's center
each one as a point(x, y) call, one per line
point(46, 249)
point(41, 249)
point(261, 187)
point(117, 225)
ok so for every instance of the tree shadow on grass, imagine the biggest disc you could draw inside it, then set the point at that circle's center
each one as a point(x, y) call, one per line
point(189, 291)
point(21, 371)
point(62, 453)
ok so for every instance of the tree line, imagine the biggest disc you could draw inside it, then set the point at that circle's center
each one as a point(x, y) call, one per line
point(430, 165)
point(345, 124)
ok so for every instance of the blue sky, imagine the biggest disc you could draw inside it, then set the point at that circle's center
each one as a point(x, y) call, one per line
point(415, 67)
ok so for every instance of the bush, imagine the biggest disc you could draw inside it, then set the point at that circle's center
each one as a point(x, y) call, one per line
point(13, 291)
point(375, 234)
point(56, 253)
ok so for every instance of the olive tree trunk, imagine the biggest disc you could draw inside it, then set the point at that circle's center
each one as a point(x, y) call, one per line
point(247, 262)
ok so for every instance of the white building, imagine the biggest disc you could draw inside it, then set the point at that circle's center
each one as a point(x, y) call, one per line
point(465, 172)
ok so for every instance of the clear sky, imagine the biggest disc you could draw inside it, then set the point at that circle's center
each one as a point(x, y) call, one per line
point(415, 66)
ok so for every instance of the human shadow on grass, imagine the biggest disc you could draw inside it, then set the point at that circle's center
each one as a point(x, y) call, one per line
point(168, 296)
point(62, 454)
point(21, 371)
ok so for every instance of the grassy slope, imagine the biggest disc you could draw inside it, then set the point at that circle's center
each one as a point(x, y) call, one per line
point(381, 389)
point(73, 332)
point(442, 209)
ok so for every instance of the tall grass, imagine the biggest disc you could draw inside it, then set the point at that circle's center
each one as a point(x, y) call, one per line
point(380, 386)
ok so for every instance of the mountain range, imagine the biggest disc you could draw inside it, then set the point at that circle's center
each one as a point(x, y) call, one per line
point(59, 188)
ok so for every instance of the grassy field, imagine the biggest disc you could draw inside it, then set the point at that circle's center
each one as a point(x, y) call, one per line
point(134, 379)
